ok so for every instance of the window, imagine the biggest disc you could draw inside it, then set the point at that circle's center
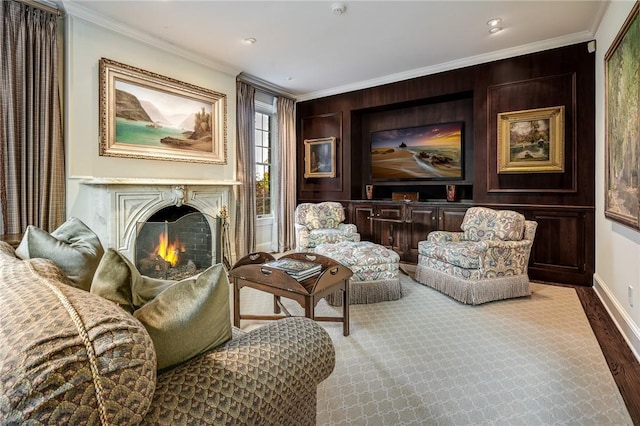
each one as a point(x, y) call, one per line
point(263, 163)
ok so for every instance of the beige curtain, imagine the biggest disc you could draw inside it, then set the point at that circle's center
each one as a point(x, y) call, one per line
point(245, 193)
point(32, 181)
point(286, 172)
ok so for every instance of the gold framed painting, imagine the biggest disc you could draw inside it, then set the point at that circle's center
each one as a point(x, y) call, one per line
point(622, 124)
point(320, 158)
point(149, 116)
point(531, 141)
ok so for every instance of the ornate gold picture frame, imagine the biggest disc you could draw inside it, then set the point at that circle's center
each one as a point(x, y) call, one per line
point(531, 141)
point(149, 116)
point(320, 158)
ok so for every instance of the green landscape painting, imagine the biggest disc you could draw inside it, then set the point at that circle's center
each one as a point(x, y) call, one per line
point(155, 118)
point(623, 126)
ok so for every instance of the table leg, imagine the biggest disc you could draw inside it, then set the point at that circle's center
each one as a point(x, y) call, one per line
point(309, 307)
point(345, 308)
point(236, 303)
point(276, 304)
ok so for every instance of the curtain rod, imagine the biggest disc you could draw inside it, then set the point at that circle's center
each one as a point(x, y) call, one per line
point(42, 6)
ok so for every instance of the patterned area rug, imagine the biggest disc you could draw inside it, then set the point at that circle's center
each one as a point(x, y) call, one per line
point(428, 360)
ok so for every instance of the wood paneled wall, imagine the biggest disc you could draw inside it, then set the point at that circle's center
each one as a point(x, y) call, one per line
point(563, 203)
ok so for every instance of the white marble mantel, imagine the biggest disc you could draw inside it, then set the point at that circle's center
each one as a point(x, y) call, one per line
point(117, 205)
point(89, 180)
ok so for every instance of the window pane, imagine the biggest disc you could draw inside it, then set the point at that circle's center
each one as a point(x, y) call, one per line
point(263, 163)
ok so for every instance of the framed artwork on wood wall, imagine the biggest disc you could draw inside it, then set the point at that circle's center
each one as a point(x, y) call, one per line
point(149, 116)
point(622, 134)
point(531, 141)
point(320, 158)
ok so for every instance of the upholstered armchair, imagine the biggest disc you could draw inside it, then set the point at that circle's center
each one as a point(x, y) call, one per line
point(322, 223)
point(487, 261)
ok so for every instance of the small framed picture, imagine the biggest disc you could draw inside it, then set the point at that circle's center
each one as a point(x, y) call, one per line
point(531, 141)
point(320, 158)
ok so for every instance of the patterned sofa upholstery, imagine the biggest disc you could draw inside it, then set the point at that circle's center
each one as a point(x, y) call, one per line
point(322, 223)
point(70, 357)
point(487, 261)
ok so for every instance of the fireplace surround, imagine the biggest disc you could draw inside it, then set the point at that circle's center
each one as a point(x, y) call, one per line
point(115, 207)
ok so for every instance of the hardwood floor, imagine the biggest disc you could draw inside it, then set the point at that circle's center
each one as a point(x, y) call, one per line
point(623, 364)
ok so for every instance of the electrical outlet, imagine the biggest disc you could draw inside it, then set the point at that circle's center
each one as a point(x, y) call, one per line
point(630, 295)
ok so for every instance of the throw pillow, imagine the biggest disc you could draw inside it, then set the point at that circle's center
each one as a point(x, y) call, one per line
point(74, 247)
point(118, 280)
point(188, 318)
point(184, 318)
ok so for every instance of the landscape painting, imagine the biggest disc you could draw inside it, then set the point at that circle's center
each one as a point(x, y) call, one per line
point(430, 152)
point(531, 141)
point(145, 115)
point(622, 135)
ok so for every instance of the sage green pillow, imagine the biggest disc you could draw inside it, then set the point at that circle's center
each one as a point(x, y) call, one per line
point(189, 317)
point(73, 247)
point(118, 280)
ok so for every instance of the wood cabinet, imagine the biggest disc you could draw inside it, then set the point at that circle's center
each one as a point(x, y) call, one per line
point(561, 252)
point(400, 226)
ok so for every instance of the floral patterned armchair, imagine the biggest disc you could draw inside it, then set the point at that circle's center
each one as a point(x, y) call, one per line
point(322, 223)
point(487, 261)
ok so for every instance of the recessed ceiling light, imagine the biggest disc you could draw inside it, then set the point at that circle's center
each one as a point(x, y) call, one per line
point(494, 22)
point(494, 30)
point(249, 40)
point(289, 78)
point(338, 8)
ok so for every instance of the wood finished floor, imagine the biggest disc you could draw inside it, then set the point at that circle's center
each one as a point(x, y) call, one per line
point(623, 364)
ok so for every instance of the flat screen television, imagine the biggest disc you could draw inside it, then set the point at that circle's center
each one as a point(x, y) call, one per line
point(430, 152)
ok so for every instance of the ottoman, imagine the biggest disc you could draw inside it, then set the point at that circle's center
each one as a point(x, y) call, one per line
point(375, 271)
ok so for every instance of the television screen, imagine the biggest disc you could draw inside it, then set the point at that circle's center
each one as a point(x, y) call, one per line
point(431, 152)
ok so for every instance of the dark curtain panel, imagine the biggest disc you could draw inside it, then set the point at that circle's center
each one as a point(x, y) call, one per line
point(32, 180)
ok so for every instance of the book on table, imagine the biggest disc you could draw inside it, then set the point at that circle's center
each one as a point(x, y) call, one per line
point(297, 269)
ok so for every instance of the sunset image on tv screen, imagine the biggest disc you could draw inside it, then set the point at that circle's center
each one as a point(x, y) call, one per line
point(417, 153)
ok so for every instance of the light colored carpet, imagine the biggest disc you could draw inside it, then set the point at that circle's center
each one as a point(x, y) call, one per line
point(428, 360)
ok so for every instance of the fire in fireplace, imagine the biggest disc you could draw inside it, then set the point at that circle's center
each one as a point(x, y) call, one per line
point(176, 243)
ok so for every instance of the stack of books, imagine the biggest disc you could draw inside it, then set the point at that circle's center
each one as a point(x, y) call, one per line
point(297, 269)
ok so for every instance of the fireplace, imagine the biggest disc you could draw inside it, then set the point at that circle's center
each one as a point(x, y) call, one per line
point(176, 243)
point(120, 210)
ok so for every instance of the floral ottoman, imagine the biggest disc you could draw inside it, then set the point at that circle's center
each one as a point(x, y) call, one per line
point(375, 271)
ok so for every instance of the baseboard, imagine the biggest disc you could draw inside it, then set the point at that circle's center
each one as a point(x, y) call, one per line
point(629, 330)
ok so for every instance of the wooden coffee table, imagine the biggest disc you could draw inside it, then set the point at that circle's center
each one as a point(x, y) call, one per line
point(250, 272)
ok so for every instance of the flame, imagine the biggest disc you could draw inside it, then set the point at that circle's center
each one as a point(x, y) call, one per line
point(169, 252)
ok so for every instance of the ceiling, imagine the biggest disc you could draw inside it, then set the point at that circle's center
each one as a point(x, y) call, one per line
point(305, 50)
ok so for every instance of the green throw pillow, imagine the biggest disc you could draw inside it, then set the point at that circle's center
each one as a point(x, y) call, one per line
point(190, 317)
point(74, 247)
point(184, 318)
point(118, 280)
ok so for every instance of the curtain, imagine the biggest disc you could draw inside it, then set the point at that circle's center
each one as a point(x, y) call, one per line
point(32, 179)
point(245, 193)
point(286, 173)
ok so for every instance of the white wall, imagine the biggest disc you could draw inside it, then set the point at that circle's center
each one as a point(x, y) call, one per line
point(86, 43)
point(617, 246)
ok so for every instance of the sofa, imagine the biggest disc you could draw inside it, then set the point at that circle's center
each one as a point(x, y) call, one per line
point(72, 357)
point(319, 223)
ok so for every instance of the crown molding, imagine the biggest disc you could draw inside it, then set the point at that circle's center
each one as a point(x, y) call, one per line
point(452, 65)
point(76, 10)
point(264, 85)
